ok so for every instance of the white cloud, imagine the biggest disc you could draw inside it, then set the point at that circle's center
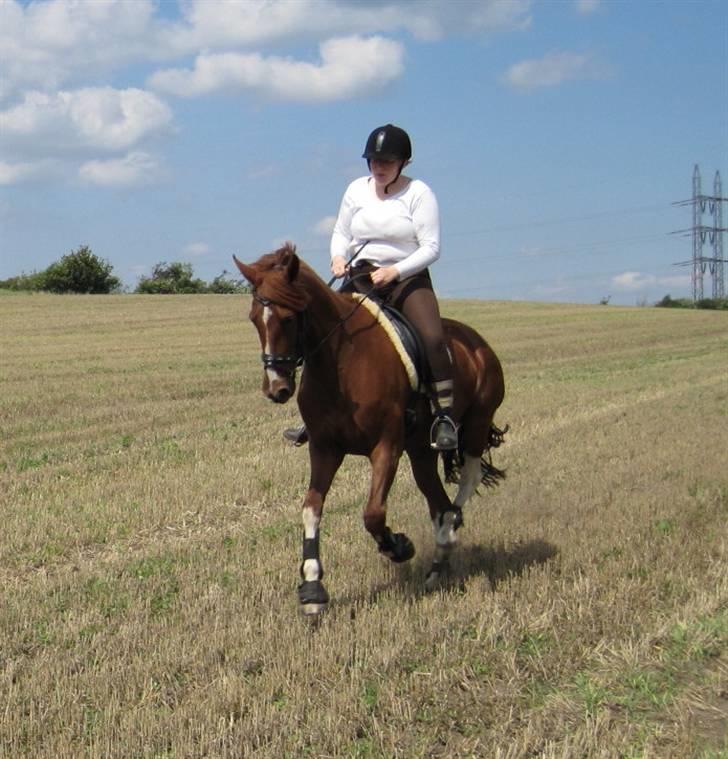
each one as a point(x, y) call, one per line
point(552, 70)
point(557, 287)
point(492, 16)
point(92, 118)
point(678, 280)
point(325, 226)
point(349, 66)
point(263, 171)
point(207, 24)
point(55, 54)
point(136, 168)
point(21, 171)
point(585, 7)
point(213, 24)
point(533, 251)
point(633, 280)
point(196, 249)
point(46, 44)
point(49, 44)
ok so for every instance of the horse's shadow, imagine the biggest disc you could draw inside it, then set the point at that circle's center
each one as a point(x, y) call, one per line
point(500, 562)
point(492, 563)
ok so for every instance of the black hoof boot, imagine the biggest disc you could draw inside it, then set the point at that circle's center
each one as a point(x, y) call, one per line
point(312, 596)
point(296, 435)
point(397, 547)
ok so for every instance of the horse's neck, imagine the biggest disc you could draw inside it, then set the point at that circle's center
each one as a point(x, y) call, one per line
point(327, 314)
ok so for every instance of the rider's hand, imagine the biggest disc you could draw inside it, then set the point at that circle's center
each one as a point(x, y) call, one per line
point(338, 266)
point(385, 275)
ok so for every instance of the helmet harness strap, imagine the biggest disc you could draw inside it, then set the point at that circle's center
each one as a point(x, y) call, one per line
point(399, 172)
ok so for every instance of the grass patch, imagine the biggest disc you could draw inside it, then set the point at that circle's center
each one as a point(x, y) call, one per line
point(151, 548)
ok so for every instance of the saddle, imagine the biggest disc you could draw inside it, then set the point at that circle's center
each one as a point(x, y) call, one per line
point(404, 338)
point(411, 342)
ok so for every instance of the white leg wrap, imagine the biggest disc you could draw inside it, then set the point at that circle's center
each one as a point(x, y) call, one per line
point(470, 476)
point(444, 541)
point(445, 537)
point(311, 568)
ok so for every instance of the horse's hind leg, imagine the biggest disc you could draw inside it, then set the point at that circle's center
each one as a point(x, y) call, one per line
point(469, 479)
point(311, 592)
point(445, 518)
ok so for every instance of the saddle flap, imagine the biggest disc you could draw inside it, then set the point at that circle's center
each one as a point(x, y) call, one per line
point(403, 336)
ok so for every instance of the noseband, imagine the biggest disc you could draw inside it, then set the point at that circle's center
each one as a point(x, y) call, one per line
point(287, 363)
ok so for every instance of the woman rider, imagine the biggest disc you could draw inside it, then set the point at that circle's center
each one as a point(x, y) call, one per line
point(393, 222)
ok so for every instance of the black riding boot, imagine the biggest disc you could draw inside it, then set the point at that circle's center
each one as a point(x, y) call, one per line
point(443, 433)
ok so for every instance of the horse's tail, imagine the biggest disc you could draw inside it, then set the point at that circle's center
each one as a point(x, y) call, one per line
point(491, 475)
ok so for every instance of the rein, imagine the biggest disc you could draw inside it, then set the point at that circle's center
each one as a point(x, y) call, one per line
point(277, 360)
point(343, 321)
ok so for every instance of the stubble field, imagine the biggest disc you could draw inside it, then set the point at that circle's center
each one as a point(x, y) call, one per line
point(151, 533)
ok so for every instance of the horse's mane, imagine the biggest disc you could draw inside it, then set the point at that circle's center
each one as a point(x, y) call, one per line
point(278, 286)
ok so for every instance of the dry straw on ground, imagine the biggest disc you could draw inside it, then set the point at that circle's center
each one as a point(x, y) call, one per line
point(151, 538)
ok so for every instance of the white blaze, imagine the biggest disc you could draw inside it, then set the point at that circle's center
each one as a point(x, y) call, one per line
point(270, 371)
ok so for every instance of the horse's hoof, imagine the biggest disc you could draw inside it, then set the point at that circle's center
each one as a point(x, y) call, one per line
point(436, 575)
point(397, 547)
point(313, 597)
point(313, 610)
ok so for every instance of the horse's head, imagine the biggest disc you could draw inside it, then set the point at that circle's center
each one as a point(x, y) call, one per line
point(277, 313)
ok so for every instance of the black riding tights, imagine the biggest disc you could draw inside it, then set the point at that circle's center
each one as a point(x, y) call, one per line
point(420, 307)
point(414, 298)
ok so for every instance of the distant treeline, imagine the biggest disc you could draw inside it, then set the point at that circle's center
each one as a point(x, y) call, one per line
point(81, 271)
point(716, 304)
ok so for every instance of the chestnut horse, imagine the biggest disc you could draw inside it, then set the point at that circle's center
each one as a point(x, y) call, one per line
point(354, 398)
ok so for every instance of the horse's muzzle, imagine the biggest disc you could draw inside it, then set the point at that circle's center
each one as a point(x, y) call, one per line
point(281, 395)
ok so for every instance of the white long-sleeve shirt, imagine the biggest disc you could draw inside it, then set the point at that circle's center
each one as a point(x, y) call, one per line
point(402, 230)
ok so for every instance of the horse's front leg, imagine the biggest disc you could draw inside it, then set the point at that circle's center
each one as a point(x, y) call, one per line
point(395, 546)
point(311, 592)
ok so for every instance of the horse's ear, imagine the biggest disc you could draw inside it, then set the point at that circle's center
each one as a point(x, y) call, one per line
point(248, 272)
point(293, 266)
point(288, 261)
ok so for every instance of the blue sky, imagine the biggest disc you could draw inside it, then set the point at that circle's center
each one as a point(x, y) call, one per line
point(556, 135)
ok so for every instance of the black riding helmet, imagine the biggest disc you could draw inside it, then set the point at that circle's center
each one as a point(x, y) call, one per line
point(388, 142)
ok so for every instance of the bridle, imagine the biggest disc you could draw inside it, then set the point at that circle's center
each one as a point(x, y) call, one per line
point(287, 363)
point(291, 361)
point(275, 360)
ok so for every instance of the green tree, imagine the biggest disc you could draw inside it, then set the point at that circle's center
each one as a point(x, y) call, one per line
point(668, 302)
point(169, 279)
point(24, 282)
point(80, 271)
point(225, 284)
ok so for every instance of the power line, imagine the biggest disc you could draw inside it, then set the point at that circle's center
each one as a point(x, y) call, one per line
point(700, 232)
point(564, 220)
point(573, 250)
point(629, 211)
